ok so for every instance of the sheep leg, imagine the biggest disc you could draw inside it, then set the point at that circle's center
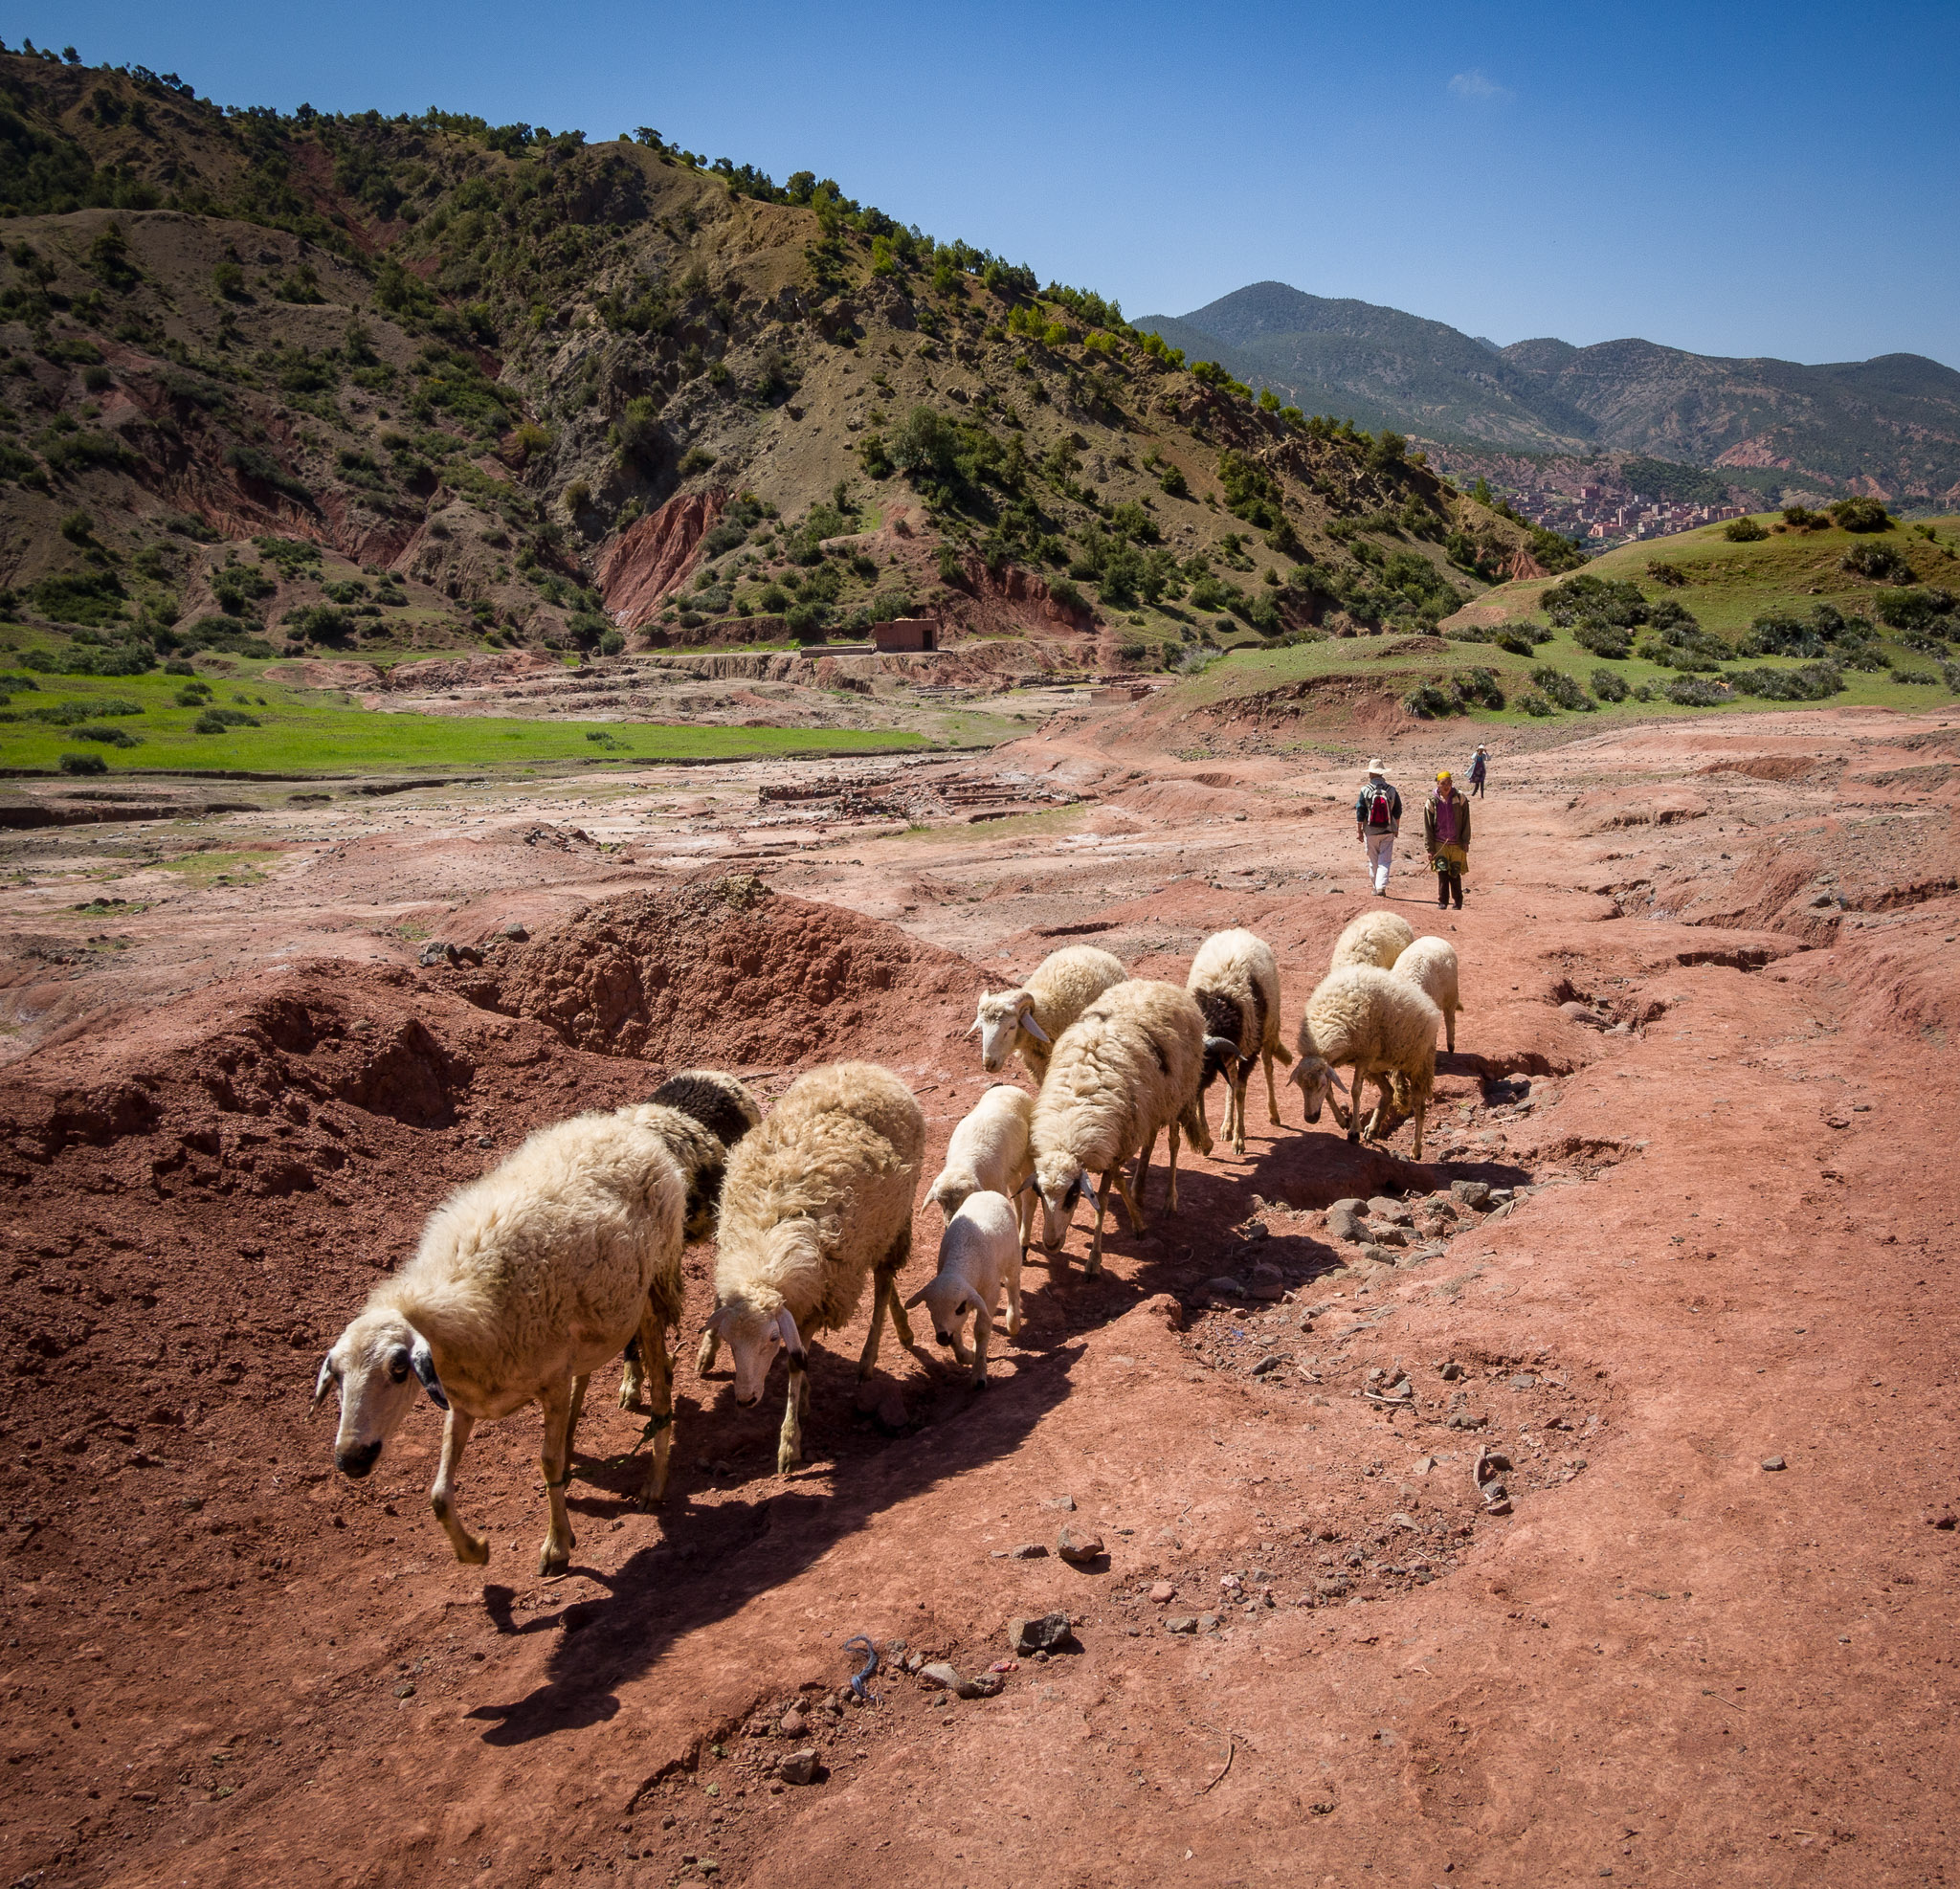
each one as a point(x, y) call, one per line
point(789, 1444)
point(555, 1556)
point(1014, 1293)
point(710, 1344)
point(1239, 1085)
point(1353, 1122)
point(660, 1367)
point(471, 1549)
point(1174, 1165)
point(1093, 1266)
point(578, 1410)
point(1421, 1109)
point(961, 1355)
point(1144, 1166)
point(1450, 1030)
point(1272, 1094)
point(983, 1330)
point(1130, 1206)
point(1028, 1210)
point(632, 1381)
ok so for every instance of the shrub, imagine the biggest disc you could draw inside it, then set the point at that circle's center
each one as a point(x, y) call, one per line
point(1951, 671)
point(1607, 639)
point(90, 596)
point(84, 764)
point(320, 623)
point(1918, 678)
point(108, 733)
point(1562, 688)
point(1068, 596)
point(1514, 641)
point(611, 642)
point(1429, 701)
point(951, 570)
point(1594, 599)
point(1861, 515)
point(1879, 562)
point(1173, 482)
point(1608, 686)
point(926, 446)
point(1670, 575)
point(1535, 703)
point(773, 600)
point(1743, 531)
point(1801, 518)
point(257, 468)
point(1783, 635)
point(805, 622)
point(1915, 609)
point(237, 586)
point(578, 495)
point(1696, 692)
point(1814, 682)
point(1479, 686)
point(216, 720)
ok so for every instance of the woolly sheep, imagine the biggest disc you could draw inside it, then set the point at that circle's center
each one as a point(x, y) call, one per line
point(1429, 964)
point(1375, 938)
point(1386, 1028)
point(699, 1114)
point(814, 1199)
point(1030, 1017)
point(525, 1282)
point(1127, 1067)
point(1235, 980)
point(989, 1151)
point(979, 1253)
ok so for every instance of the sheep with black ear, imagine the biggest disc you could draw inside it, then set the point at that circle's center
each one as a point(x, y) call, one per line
point(699, 1114)
point(1029, 1018)
point(1375, 938)
point(525, 1282)
point(815, 1199)
point(1386, 1029)
point(1126, 1070)
point(1235, 980)
point(989, 1151)
point(979, 1253)
point(1429, 964)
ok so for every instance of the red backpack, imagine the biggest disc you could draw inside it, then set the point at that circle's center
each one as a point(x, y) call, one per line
point(1380, 805)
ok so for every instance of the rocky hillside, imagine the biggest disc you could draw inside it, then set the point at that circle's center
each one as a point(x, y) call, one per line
point(1889, 427)
point(362, 383)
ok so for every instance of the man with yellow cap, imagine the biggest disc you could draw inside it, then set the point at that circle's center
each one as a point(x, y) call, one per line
point(1446, 833)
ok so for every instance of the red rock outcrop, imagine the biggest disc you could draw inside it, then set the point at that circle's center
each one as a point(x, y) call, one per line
point(647, 563)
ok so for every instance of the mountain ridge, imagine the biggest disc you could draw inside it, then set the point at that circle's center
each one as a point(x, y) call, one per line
point(1890, 426)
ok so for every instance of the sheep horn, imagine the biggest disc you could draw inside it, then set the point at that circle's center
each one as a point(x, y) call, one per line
point(792, 1339)
point(321, 1383)
point(1034, 1029)
point(1088, 1187)
point(423, 1361)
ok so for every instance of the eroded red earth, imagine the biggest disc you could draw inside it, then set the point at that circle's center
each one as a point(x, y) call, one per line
point(1712, 989)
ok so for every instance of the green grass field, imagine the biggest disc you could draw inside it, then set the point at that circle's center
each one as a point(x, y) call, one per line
point(1728, 586)
point(305, 733)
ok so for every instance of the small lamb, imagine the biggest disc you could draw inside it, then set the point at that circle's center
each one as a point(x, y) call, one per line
point(1429, 964)
point(1029, 1018)
point(989, 1151)
point(980, 1251)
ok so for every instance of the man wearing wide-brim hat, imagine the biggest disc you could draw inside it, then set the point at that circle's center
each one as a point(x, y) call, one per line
point(1377, 820)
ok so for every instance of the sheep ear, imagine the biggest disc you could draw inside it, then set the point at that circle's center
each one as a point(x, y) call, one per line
point(917, 1299)
point(1088, 1187)
point(785, 1326)
point(323, 1381)
point(970, 1297)
point(1334, 1080)
point(1035, 1029)
point(1024, 1187)
point(973, 1027)
point(423, 1362)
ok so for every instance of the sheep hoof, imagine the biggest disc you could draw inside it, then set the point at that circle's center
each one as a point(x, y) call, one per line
point(980, 1380)
point(475, 1552)
point(1355, 1134)
point(787, 1460)
point(554, 1561)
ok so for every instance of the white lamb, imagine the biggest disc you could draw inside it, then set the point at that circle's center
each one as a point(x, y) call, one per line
point(1375, 938)
point(1235, 980)
point(1429, 964)
point(1386, 1029)
point(1125, 1069)
point(526, 1281)
point(1030, 1017)
point(814, 1199)
point(979, 1253)
point(989, 1151)
point(699, 1114)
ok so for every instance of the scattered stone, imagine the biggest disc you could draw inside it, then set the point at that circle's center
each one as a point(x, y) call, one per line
point(987, 1686)
point(1405, 1521)
point(1575, 1012)
point(1163, 1593)
point(516, 933)
point(1027, 1551)
point(1330, 1583)
point(940, 1676)
point(1039, 1634)
point(1774, 1462)
point(797, 1767)
point(1396, 1212)
point(1380, 1256)
point(1392, 1236)
point(1474, 1195)
point(1424, 1464)
point(1268, 1283)
point(1947, 1520)
point(1271, 1362)
point(1207, 1623)
point(1225, 1288)
point(1180, 1623)
point(1523, 1380)
point(1078, 1547)
point(792, 1724)
point(1063, 1501)
point(1451, 1371)
point(1466, 1420)
point(1344, 1223)
point(436, 953)
point(1499, 1503)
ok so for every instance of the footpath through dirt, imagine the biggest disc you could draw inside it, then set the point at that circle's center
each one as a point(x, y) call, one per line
point(1676, 1274)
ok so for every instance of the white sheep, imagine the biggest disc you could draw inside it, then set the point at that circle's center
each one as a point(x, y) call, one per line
point(1125, 1069)
point(989, 1151)
point(1235, 980)
point(525, 1282)
point(699, 1114)
point(814, 1199)
point(1375, 938)
point(1386, 1029)
point(979, 1253)
point(1429, 964)
point(1030, 1017)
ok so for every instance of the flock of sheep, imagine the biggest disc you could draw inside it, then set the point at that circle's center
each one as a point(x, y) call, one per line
point(570, 1252)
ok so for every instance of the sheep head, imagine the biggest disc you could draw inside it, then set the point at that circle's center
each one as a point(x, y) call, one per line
point(1002, 1015)
point(1316, 1081)
point(1221, 1056)
point(1059, 1181)
point(381, 1363)
point(948, 1193)
point(948, 1299)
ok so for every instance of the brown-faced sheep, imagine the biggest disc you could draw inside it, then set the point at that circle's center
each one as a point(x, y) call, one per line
point(818, 1197)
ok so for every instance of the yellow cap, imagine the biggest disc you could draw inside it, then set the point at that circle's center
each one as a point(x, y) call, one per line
point(1444, 775)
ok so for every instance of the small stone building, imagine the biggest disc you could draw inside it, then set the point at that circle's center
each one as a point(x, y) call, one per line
point(906, 632)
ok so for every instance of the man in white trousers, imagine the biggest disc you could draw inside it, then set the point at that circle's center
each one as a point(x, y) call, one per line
point(1377, 820)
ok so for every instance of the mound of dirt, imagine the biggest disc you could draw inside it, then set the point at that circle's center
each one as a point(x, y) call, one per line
point(724, 970)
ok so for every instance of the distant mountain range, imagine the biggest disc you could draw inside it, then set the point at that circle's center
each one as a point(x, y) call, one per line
point(1889, 425)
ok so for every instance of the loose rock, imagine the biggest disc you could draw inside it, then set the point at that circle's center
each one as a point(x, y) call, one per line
point(1027, 1551)
point(792, 1724)
point(1342, 1223)
point(797, 1767)
point(1396, 1212)
point(1474, 1195)
point(1162, 1592)
point(940, 1676)
point(1774, 1462)
point(1078, 1547)
point(1038, 1633)
point(1180, 1623)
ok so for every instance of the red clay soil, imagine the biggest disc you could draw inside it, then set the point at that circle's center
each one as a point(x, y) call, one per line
point(649, 560)
point(1707, 1638)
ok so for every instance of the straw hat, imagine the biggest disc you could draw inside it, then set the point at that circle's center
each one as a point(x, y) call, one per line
point(1376, 767)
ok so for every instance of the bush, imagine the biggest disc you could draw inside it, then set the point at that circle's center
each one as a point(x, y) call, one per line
point(1479, 686)
point(1784, 636)
point(1922, 679)
point(1745, 531)
point(91, 597)
point(1879, 562)
point(951, 570)
point(1514, 641)
point(1861, 515)
point(695, 459)
point(1535, 703)
point(257, 468)
point(805, 622)
point(1915, 609)
point(1608, 686)
point(1561, 688)
point(1068, 596)
point(1607, 639)
point(320, 623)
point(1696, 692)
point(927, 446)
point(1801, 518)
point(84, 764)
point(1814, 682)
point(611, 642)
point(108, 733)
point(1951, 671)
point(1670, 575)
point(1173, 482)
point(1594, 599)
point(1429, 701)
point(215, 720)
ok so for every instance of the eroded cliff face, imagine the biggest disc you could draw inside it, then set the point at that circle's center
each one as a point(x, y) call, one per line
point(649, 560)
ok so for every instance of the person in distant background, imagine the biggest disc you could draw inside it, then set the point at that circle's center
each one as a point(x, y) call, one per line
point(1377, 820)
point(1479, 762)
point(1446, 833)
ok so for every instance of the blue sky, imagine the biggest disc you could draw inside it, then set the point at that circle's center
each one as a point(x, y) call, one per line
point(1743, 179)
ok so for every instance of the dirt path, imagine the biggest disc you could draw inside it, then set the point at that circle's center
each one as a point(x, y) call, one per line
point(1709, 972)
